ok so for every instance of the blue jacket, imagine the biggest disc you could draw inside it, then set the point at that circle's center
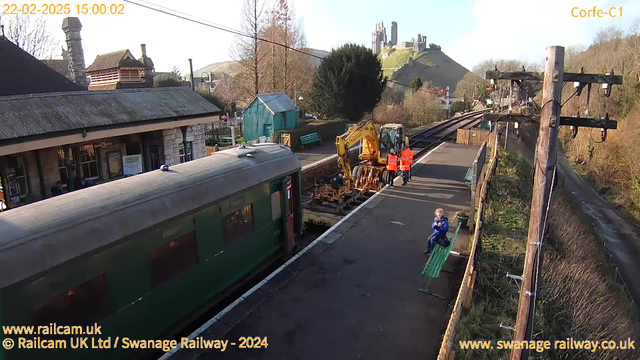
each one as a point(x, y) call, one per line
point(440, 230)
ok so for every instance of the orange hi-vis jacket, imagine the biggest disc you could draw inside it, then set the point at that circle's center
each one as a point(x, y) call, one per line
point(407, 159)
point(392, 162)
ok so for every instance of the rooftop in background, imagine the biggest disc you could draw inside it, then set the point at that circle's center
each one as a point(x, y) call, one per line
point(22, 73)
point(42, 115)
point(277, 102)
point(113, 60)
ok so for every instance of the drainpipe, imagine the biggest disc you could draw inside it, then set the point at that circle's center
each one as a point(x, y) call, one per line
point(184, 141)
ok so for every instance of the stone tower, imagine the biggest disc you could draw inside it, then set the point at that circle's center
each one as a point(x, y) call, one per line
point(379, 38)
point(394, 33)
point(71, 27)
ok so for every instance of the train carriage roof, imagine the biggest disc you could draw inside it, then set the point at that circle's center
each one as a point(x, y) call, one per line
point(38, 236)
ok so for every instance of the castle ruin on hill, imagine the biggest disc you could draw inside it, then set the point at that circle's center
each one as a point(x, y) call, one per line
point(379, 40)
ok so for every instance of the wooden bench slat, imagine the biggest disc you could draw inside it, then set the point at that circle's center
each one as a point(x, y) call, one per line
point(438, 257)
point(310, 139)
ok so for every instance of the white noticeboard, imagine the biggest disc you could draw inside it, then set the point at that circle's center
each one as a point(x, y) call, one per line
point(132, 164)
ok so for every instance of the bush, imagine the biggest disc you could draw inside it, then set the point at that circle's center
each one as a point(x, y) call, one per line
point(166, 81)
point(460, 106)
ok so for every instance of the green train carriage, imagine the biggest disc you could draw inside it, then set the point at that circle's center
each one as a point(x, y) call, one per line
point(143, 255)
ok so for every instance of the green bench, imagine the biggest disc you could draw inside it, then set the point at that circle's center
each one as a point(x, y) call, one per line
point(434, 264)
point(310, 139)
point(468, 177)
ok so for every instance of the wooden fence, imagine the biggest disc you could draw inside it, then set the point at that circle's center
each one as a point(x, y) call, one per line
point(466, 287)
point(471, 136)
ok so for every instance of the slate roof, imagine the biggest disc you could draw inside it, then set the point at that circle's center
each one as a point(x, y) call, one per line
point(27, 117)
point(60, 66)
point(113, 60)
point(21, 73)
point(277, 102)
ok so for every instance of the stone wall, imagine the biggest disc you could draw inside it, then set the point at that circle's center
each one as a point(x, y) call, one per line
point(172, 139)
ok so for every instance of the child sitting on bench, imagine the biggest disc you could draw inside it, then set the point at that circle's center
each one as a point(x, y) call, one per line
point(440, 226)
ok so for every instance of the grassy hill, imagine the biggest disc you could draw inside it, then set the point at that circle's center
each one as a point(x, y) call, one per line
point(429, 65)
point(232, 68)
point(395, 61)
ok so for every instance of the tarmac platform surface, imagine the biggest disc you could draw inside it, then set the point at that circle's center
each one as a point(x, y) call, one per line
point(316, 153)
point(354, 292)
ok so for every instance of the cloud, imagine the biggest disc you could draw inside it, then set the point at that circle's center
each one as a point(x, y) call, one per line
point(519, 29)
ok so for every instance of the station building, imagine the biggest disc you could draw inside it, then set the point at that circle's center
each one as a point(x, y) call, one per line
point(52, 126)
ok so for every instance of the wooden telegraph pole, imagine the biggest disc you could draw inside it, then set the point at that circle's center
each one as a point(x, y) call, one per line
point(544, 169)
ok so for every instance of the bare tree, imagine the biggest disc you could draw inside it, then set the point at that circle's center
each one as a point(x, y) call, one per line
point(30, 36)
point(471, 86)
point(284, 67)
point(634, 29)
point(247, 50)
point(608, 34)
point(227, 90)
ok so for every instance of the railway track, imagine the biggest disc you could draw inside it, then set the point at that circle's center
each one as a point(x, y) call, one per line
point(446, 128)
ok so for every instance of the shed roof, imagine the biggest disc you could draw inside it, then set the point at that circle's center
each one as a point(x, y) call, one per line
point(277, 102)
point(113, 60)
point(27, 116)
point(22, 73)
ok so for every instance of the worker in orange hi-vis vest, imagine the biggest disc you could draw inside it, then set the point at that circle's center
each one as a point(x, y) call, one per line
point(405, 164)
point(392, 166)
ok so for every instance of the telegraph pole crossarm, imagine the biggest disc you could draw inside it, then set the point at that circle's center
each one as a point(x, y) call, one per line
point(567, 77)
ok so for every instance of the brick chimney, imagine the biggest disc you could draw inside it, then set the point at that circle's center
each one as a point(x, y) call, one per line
point(71, 27)
point(148, 66)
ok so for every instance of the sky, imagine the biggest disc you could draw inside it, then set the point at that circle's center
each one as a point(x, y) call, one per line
point(469, 31)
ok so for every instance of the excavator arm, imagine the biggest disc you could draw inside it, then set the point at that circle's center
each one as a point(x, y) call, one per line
point(365, 130)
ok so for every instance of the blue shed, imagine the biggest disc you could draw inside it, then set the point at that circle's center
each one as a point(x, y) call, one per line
point(267, 114)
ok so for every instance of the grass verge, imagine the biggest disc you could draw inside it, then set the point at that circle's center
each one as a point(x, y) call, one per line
point(579, 297)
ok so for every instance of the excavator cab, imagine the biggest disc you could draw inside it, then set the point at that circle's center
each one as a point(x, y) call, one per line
point(392, 136)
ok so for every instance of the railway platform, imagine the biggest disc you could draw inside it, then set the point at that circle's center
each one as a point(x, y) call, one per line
point(317, 153)
point(353, 293)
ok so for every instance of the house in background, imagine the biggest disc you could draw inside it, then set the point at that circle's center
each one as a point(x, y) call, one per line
point(268, 113)
point(120, 70)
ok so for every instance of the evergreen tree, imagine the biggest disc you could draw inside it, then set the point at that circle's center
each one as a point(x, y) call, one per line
point(416, 84)
point(349, 83)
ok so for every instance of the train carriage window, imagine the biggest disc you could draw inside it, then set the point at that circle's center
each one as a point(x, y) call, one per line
point(276, 210)
point(237, 224)
point(172, 258)
point(83, 304)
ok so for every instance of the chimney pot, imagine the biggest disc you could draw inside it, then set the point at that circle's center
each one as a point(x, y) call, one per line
point(144, 49)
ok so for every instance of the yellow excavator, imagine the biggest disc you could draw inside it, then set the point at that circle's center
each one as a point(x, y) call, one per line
point(370, 173)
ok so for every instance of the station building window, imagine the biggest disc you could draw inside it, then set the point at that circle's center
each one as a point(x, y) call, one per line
point(89, 161)
point(17, 179)
point(172, 258)
point(154, 155)
point(276, 206)
point(185, 156)
point(83, 304)
point(64, 173)
point(237, 224)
